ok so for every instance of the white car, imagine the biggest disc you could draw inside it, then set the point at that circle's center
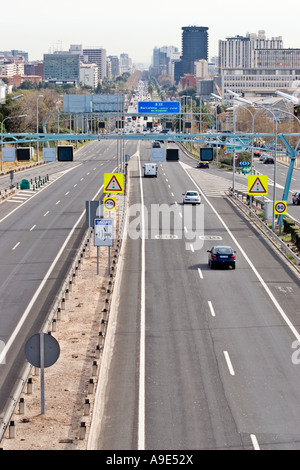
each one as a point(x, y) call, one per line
point(191, 197)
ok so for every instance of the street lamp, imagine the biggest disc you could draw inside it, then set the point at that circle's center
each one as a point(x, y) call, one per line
point(57, 103)
point(8, 117)
point(290, 98)
point(37, 126)
point(219, 98)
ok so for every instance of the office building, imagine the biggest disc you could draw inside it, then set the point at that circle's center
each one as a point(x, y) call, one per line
point(96, 55)
point(194, 47)
point(62, 67)
point(275, 58)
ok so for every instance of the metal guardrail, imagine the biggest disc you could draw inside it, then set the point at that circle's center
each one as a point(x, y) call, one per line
point(281, 245)
point(47, 327)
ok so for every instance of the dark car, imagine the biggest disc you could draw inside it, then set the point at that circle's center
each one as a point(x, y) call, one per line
point(203, 165)
point(269, 160)
point(296, 198)
point(156, 144)
point(221, 256)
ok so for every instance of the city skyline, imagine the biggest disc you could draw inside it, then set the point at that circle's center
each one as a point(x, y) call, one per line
point(135, 28)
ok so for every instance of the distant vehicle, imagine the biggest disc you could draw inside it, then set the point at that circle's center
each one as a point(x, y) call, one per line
point(165, 131)
point(221, 256)
point(191, 197)
point(203, 165)
point(296, 198)
point(263, 157)
point(150, 169)
point(269, 160)
point(256, 154)
point(156, 144)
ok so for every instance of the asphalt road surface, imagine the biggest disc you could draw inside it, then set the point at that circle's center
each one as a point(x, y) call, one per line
point(40, 232)
point(198, 358)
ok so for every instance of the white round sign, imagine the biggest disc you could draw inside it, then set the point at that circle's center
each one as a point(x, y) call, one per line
point(109, 204)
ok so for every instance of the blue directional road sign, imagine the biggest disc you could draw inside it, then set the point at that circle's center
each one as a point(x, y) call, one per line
point(161, 107)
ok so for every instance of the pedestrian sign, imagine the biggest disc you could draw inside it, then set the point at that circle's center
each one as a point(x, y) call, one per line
point(257, 185)
point(280, 207)
point(113, 182)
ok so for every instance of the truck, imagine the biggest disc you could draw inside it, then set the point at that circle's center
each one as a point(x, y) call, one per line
point(172, 155)
point(150, 169)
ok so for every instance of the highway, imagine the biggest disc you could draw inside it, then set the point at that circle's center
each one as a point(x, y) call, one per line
point(39, 235)
point(198, 358)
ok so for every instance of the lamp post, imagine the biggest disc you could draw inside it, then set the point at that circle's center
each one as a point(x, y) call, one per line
point(247, 102)
point(237, 97)
point(8, 117)
point(37, 126)
point(217, 97)
point(57, 103)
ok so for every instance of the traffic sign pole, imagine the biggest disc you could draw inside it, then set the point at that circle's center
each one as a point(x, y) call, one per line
point(42, 367)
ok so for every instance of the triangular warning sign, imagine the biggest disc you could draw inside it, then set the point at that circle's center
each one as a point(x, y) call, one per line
point(257, 187)
point(113, 185)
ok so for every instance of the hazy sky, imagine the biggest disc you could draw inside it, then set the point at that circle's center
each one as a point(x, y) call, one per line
point(136, 27)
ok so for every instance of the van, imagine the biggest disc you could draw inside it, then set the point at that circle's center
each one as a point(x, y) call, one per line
point(150, 169)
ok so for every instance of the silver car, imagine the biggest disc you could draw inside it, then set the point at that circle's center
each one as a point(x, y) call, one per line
point(191, 197)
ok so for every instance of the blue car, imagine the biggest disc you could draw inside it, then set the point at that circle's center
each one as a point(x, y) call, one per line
point(221, 256)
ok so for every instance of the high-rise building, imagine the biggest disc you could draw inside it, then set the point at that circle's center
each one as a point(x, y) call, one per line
point(125, 63)
point(194, 46)
point(62, 67)
point(96, 55)
point(238, 51)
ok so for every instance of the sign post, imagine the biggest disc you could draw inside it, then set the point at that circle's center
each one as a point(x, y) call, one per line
point(42, 350)
point(104, 236)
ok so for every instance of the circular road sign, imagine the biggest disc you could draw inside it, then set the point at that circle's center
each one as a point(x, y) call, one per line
point(51, 350)
point(110, 203)
point(280, 207)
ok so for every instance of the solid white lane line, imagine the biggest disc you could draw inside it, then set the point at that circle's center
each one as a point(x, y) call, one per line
point(254, 442)
point(228, 361)
point(141, 409)
point(16, 245)
point(263, 283)
point(211, 308)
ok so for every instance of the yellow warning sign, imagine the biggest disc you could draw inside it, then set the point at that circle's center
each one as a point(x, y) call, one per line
point(113, 183)
point(257, 184)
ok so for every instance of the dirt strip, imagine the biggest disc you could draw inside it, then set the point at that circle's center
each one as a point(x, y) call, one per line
point(70, 384)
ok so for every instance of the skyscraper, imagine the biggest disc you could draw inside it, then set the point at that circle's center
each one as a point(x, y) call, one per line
point(194, 46)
